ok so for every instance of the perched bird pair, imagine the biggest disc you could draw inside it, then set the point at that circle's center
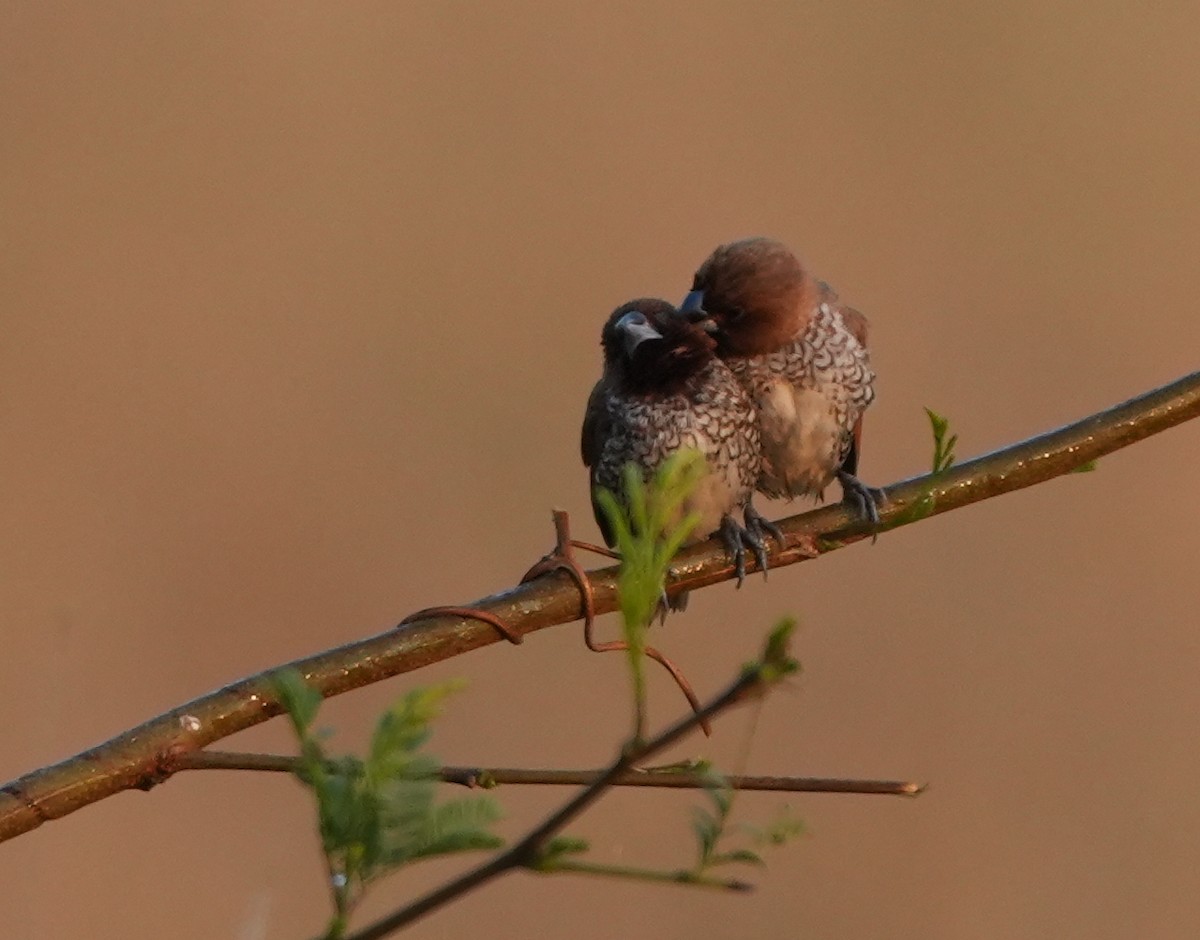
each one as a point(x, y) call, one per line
point(761, 370)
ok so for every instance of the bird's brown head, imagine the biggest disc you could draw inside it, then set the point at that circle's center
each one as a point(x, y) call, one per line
point(649, 346)
point(757, 294)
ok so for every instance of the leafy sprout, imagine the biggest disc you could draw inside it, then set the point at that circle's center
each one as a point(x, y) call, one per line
point(943, 459)
point(378, 813)
point(713, 832)
point(649, 527)
point(943, 442)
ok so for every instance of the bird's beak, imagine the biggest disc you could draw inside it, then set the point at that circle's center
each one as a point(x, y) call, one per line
point(636, 331)
point(693, 305)
point(693, 311)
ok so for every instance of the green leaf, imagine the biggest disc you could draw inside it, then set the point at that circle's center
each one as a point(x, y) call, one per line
point(737, 856)
point(404, 728)
point(943, 446)
point(692, 765)
point(648, 531)
point(406, 808)
point(712, 831)
point(1088, 467)
point(776, 662)
point(459, 826)
point(717, 789)
point(707, 829)
point(299, 699)
point(378, 813)
point(781, 830)
point(561, 846)
point(943, 459)
point(710, 826)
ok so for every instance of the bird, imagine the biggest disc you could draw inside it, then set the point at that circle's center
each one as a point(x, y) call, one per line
point(663, 389)
point(802, 357)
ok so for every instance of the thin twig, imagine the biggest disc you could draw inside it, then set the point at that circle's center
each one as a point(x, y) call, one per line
point(679, 877)
point(144, 756)
point(486, 777)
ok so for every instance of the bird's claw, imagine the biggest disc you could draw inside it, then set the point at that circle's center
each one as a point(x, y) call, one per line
point(667, 604)
point(736, 539)
point(562, 558)
point(759, 525)
point(866, 500)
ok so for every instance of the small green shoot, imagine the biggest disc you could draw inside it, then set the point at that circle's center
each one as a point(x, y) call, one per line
point(776, 663)
point(712, 831)
point(1086, 467)
point(552, 855)
point(378, 813)
point(710, 824)
point(943, 459)
point(943, 442)
point(648, 523)
point(779, 831)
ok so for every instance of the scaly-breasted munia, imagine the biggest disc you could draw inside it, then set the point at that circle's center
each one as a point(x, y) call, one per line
point(664, 389)
point(803, 358)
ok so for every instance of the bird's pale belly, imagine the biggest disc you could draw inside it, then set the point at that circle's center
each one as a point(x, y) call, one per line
point(803, 442)
point(715, 495)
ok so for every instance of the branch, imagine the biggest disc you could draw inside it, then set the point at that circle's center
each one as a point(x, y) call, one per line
point(148, 754)
point(488, 777)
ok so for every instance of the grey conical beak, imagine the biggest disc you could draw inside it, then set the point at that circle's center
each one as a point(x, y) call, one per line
point(693, 306)
point(693, 311)
point(636, 330)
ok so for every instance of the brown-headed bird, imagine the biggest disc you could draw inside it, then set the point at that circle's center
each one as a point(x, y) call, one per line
point(802, 356)
point(664, 389)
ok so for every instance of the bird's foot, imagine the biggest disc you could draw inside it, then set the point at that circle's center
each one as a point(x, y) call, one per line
point(562, 558)
point(865, 499)
point(668, 604)
point(736, 539)
point(759, 525)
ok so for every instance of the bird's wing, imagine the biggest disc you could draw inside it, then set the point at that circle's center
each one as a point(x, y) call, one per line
point(595, 425)
point(858, 326)
point(856, 323)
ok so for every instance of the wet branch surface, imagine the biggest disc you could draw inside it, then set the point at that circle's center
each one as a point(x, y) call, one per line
point(146, 755)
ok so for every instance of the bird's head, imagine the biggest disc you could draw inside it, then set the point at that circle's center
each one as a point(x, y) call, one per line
point(650, 346)
point(754, 293)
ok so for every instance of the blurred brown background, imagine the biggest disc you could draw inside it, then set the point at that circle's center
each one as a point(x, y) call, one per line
point(300, 307)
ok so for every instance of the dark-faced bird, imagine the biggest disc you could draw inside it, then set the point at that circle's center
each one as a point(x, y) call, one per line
point(663, 389)
point(801, 355)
